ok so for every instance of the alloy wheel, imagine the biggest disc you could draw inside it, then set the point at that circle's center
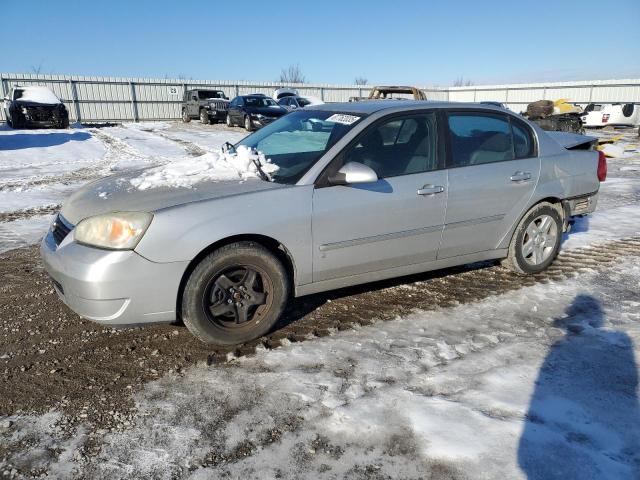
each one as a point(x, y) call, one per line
point(539, 240)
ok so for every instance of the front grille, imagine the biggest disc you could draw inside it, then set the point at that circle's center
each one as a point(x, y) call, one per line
point(60, 228)
point(41, 114)
point(220, 106)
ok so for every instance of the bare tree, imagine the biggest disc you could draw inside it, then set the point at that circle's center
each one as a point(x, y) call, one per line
point(292, 74)
point(361, 81)
point(37, 69)
point(461, 82)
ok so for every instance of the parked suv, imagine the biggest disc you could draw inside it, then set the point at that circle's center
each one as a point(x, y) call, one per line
point(253, 111)
point(207, 105)
point(325, 197)
point(34, 106)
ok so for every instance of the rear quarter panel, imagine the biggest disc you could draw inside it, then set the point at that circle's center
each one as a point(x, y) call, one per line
point(180, 233)
point(563, 174)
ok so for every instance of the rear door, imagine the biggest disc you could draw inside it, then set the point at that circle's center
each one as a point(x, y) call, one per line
point(393, 222)
point(493, 171)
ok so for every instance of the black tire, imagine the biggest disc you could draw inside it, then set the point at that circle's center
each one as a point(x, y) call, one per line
point(248, 126)
point(204, 117)
point(64, 123)
point(518, 260)
point(627, 109)
point(17, 122)
point(185, 116)
point(215, 296)
point(228, 121)
point(9, 122)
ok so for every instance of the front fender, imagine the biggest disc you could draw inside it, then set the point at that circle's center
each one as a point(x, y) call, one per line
point(180, 233)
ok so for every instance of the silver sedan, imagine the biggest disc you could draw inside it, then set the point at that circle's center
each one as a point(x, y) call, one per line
point(333, 195)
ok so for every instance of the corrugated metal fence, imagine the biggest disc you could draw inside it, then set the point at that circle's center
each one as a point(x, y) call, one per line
point(103, 99)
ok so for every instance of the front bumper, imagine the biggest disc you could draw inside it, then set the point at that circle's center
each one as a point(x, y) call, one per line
point(261, 122)
point(217, 114)
point(112, 287)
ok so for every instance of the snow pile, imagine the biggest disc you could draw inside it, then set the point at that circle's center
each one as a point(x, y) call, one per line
point(39, 95)
point(210, 167)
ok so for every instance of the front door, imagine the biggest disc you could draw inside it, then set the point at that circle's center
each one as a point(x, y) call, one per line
point(394, 222)
point(493, 173)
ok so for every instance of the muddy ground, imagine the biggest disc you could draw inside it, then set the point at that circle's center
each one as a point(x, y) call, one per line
point(53, 359)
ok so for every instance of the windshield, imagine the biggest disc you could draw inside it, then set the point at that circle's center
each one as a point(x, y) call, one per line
point(259, 101)
point(204, 94)
point(297, 140)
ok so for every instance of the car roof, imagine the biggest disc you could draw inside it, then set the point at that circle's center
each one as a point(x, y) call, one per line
point(372, 106)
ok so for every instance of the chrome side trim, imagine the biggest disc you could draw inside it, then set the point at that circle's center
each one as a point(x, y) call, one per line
point(475, 221)
point(379, 238)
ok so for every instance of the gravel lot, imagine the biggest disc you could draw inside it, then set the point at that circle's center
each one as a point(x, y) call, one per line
point(85, 383)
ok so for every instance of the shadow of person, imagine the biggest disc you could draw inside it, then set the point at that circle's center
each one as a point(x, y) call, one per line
point(584, 418)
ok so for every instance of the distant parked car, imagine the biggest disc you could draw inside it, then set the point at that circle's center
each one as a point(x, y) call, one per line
point(295, 102)
point(207, 105)
point(253, 111)
point(366, 196)
point(35, 107)
point(616, 114)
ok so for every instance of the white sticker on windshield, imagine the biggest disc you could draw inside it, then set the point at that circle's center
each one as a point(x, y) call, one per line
point(342, 118)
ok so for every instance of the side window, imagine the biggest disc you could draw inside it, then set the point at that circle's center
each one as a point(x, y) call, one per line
point(401, 146)
point(478, 138)
point(522, 140)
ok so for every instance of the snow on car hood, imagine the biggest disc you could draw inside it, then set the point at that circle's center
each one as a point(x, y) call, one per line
point(38, 95)
point(209, 176)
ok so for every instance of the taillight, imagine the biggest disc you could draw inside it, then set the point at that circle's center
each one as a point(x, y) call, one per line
point(602, 166)
point(605, 117)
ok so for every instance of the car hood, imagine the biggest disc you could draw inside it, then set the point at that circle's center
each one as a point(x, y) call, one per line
point(268, 111)
point(116, 194)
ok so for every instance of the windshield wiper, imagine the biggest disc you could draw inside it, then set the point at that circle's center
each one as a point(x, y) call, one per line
point(258, 165)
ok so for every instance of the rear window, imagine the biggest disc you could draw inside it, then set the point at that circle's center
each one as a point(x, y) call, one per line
point(478, 138)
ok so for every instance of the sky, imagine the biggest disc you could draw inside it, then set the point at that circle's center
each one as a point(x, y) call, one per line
point(410, 42)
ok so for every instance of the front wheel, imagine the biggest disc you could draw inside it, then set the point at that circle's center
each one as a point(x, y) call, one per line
point(204, 117)
point(235, 294)
point(229, 122)
point(536, 240)
point(247, 124)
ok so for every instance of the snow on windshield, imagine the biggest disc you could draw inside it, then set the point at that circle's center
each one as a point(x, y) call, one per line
point(37, 95)
point(213, 166)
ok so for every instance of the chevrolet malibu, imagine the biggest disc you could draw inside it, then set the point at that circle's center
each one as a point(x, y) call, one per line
point(343, 194)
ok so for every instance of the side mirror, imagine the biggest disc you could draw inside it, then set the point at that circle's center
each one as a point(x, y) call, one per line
point(294, 106)
point(352, 173)
point(6, 98)
point(194, 98)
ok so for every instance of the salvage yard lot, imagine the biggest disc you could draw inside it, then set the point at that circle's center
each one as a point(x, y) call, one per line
point(473, 372)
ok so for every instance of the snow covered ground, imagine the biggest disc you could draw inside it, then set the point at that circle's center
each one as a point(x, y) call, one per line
point(537, 383)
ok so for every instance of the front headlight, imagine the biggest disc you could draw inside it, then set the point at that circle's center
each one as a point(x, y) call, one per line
point(116, 230)
point(259, 116)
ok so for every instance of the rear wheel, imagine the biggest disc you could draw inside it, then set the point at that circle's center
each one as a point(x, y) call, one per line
point(204, 117)
point(185, 116)
point(536, 241)
point(235, 294)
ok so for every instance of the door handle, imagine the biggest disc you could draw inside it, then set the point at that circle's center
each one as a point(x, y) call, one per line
point(520, 176)
point(430, 189)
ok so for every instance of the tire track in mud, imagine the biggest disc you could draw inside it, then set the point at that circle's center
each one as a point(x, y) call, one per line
point(29, 212)
point(192, 149)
